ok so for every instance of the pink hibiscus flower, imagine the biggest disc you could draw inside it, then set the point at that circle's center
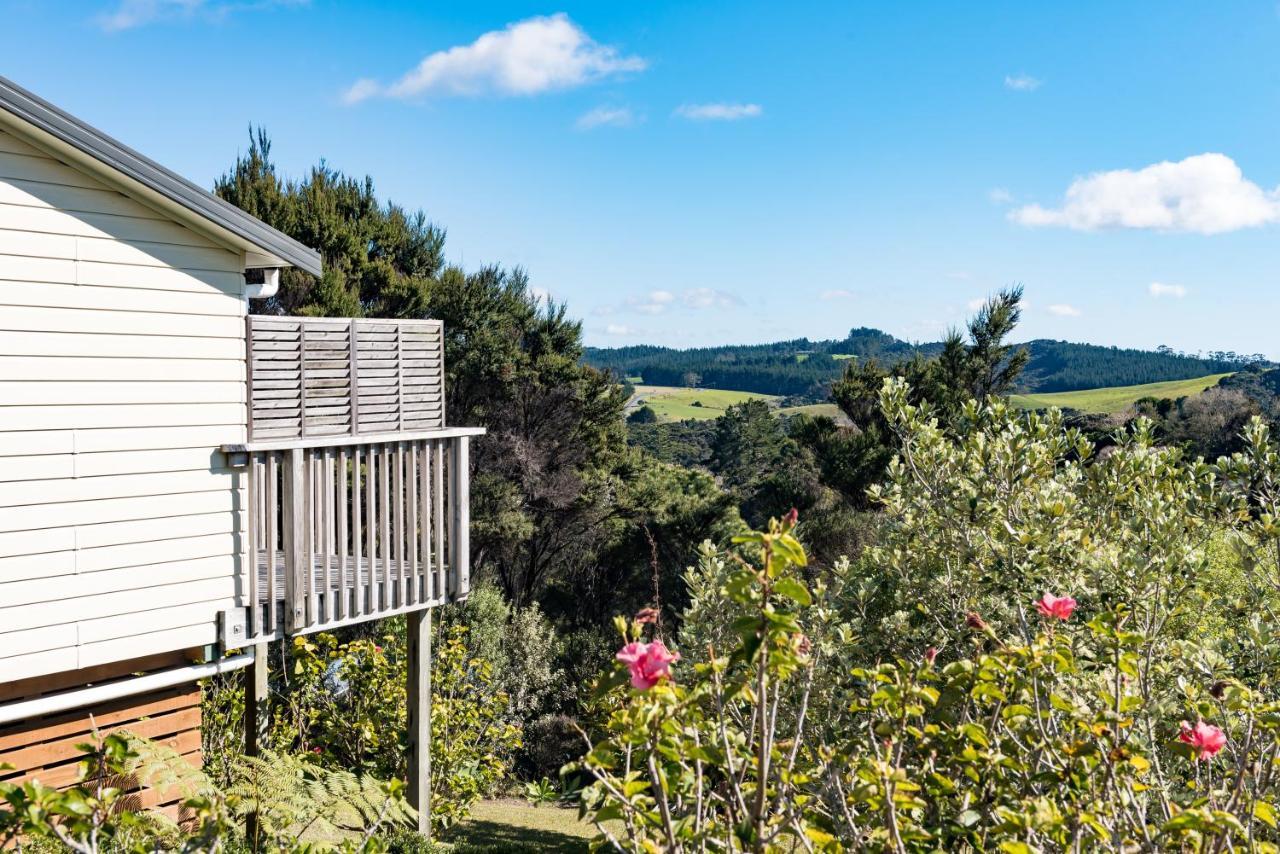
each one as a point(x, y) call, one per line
point(649, 663)
point(1206, 738)
point(1059, 607)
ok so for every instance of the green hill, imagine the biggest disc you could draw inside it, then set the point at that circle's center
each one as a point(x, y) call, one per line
point(672, 403)
point(1115, 398)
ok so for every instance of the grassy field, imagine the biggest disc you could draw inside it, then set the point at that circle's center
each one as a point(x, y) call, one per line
point(1115, 398)
point(509, 825)
point(677, 404)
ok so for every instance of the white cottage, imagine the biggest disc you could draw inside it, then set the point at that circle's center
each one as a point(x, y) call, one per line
point(182, 483)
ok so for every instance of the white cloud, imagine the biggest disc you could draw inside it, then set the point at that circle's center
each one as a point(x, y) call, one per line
point(1021, 82)
point(620, 329)
point(700, 298)
point(1206, 193)
point(654, 302)
point(129, 14)
point(532, 56)
point(603, 311)
point(617, 117)
point(976, 303)
point(1061, 309)
point(541, 295)
point(718, 112)
point(838, 293)
point(1160, 289)
point(999, 196)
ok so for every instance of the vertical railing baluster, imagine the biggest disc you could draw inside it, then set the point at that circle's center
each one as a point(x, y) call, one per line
point(384, 502)
point(397, 503)
point(343, 548)
point(425, 521)
point(249, 546)
point(324, 603)
point(272, 507)
point(437, 505)
point(294, 501)
point(460, 535)
point(411, 523)
point(371, 524)
point(357, 534)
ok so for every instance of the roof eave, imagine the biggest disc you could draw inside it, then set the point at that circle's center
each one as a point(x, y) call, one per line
point(150, 177)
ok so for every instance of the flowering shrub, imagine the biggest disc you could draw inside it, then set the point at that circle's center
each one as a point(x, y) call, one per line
point(348, 706)
point(1047, 650)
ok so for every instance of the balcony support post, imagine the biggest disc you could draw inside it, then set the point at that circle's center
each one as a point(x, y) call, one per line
point(419, 702)
point(256, 718)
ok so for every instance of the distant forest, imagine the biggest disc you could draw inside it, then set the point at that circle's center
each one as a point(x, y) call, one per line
point(804, 368)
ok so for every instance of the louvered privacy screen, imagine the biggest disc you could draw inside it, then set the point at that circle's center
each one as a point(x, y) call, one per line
point(324, 377)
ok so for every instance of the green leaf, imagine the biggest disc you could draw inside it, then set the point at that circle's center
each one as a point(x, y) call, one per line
point(794, 590)
point(1265, 813)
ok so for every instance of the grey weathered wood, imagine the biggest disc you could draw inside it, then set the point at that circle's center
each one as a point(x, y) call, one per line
point(419, 702)
point(437, 503)
point(293, 502)
point(384, 519)
point(411, 523)
point(460, 533)
point(257, 715)
point(344, 547)
point(253, 542)
point(357, 604)
point(327, 529)
point(398, 532)
point(273, 475)
point(371, 521)
point(424, 521)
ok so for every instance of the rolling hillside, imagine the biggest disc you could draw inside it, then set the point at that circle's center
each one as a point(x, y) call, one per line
point(1115, 398)
point(803, 368)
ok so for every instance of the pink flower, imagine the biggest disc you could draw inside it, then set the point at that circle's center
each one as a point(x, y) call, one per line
point(930, 655)
point(791, 518)
point(378, 650)
point(649, 663)
point(1056, 606)
point(1206, 738)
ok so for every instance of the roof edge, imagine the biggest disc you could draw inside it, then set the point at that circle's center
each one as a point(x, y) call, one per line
point(92, 142)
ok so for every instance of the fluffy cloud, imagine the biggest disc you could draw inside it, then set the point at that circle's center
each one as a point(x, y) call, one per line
point(718, 112)
point(529, 57)
point(1021, 82)
point(999, 196)
point(976, 303)
point(1061, 309)
point(617, 117)
point(136, 13)
point(1160, 289)
point(654, 302)
point(662, 301)
point(1206, 193)
point(838, 293)
point(620, 329)
point(700, 298)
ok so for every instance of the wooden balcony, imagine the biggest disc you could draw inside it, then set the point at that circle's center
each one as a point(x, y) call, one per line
point(357, 496)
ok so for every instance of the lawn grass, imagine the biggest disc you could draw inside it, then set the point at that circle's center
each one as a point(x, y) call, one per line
point(672, 403)
point(509, 825)
point(1114, 398)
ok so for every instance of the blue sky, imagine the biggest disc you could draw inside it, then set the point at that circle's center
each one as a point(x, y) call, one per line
point(721, 172)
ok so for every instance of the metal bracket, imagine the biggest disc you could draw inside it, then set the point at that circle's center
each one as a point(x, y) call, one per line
point(233, 628)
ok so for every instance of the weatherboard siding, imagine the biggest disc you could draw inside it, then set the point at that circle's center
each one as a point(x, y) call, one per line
point(122, 369)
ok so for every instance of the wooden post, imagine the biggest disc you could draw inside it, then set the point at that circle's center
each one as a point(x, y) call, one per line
point(257, 717)
point(294, 501)
point(419, 626)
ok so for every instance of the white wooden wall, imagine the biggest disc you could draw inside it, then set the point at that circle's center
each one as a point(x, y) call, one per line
point(121, 371)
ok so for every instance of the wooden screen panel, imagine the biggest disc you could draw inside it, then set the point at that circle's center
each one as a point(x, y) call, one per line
point(45, 749)
point(344, 377)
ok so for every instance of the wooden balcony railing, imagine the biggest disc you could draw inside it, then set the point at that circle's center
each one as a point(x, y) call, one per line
point(344, 529)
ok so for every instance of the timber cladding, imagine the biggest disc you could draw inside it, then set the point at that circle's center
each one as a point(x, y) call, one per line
point(45, 749)
point(343, 377)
